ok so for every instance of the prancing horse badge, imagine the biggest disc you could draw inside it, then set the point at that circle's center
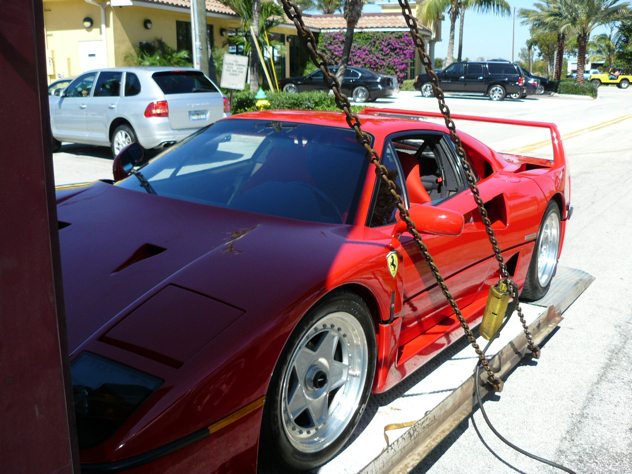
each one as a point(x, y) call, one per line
point(393, 263)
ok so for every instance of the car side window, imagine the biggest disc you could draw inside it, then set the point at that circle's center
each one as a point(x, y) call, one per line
point(384, 207)
point(318, 75)
point(474, 69)
point(501, 69)
point(108, 84)
point(456, 69)
point(132, 84)
point(431, 160)
point(351, 74)
point(81, 87)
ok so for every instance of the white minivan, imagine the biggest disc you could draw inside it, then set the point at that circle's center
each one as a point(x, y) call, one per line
point(155, 106)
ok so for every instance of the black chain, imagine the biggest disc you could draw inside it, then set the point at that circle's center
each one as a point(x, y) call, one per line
point(319, 59)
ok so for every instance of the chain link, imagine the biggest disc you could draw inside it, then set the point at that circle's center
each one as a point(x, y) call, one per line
point(294, 14)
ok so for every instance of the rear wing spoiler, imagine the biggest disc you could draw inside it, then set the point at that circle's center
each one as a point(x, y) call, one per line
point(556, 137)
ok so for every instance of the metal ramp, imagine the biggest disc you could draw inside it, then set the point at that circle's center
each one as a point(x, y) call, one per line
point(441, 394)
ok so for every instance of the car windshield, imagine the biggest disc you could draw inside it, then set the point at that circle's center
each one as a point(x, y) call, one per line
point(293, 170)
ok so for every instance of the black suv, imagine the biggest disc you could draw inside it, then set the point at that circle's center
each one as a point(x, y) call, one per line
point(495, 79)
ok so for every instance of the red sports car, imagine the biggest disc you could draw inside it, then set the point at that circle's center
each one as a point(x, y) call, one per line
point(236, 300)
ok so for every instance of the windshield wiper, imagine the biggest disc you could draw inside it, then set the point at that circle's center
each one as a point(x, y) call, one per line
point(143, 182)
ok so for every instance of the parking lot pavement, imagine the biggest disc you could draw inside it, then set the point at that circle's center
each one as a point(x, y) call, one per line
point(82, 163)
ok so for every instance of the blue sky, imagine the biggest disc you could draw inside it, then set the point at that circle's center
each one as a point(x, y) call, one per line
point(486, 35)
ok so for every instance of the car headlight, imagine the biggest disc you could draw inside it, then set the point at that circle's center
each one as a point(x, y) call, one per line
point(105, 394)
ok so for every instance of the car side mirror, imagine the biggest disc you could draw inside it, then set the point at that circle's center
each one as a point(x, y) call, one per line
point(432, 220)
point(125, 161)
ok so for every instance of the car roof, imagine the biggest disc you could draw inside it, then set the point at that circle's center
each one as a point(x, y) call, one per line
point(377, 125)
point(145, 69)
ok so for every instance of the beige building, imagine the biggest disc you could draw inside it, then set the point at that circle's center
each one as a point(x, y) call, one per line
point(87, 34)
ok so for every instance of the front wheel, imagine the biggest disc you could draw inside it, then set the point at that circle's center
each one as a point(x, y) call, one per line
point(596, 82)
point(361, 94)
point(540, 90)
point(497, 92)
point(545, 254)
point(290, 88)
point(426, 90)
point(123, 136)
point(321, 384)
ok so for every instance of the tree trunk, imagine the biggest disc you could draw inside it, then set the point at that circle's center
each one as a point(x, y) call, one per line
point(353, 12)
point(582, 44)
point(559, 60)
point(462, 20)
point(454, 12)
point(254, 56)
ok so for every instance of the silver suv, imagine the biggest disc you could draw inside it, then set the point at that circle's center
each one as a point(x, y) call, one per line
point(155, 106)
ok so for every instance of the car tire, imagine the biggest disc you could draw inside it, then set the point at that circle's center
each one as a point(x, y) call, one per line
point(497, 92)
point(596, 82)
point(122, 136)
point(426, 90)
point(361, 94)
point(543, 263)
point(515, 96)
point(308, 417)
point(290, 88)
point(56, 144)
point(540, 90)
point(624, 84)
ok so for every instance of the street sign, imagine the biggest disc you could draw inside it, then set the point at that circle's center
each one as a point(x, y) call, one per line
point(234, 72)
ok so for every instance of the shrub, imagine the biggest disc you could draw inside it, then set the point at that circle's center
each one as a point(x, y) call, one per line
point(587, 88)
point(389, 53)
point(244, 101)
point(407, 85)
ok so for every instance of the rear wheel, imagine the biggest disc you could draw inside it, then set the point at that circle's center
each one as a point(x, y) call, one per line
point(290, 88)
point(426, 90)
point(56, 144)
point(545, 254)
point(123, 136)
point(320, 385)
point(625, 84)
point(540, 90)
point(515, 95)
point(497, 92)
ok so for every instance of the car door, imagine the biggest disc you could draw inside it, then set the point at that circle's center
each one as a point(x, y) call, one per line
point(68, 114)
point(102, 106)
point(350, 82)
point(462, 260)
point(474, 78)
point(453, 78)
point(313, 82)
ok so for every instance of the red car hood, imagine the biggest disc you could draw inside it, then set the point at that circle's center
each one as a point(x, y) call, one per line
point(118, 247)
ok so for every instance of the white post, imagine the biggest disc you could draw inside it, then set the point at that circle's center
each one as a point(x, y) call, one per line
point(195, 36)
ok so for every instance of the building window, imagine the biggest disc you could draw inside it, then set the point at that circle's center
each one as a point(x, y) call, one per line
point(184, 40)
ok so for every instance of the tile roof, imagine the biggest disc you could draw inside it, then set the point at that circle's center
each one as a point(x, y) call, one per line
point(212, 6)
point(368, 21)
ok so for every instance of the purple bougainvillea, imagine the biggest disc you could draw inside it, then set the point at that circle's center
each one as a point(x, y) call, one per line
point(385, 52)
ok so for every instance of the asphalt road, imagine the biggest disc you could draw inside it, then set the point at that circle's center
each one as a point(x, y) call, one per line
point(573, 405)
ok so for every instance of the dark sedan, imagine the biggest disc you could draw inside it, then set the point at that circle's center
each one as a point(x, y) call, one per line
point(360, 84)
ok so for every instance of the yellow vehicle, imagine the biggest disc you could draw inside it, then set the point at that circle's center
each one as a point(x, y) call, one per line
point(612, 77)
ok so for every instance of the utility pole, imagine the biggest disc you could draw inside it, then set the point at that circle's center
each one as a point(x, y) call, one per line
point(513, 35)
point(199, 33)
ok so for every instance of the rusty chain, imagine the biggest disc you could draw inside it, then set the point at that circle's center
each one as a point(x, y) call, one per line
point(363, 138)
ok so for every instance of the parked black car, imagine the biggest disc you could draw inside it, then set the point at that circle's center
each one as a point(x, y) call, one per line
point(360, 84)
point(543, 81)
point(495, 79)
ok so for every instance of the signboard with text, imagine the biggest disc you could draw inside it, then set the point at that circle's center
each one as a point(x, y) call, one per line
point(234, 72)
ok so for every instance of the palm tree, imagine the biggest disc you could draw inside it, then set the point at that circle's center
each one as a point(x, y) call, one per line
point(581, 17)
point(264, 16)
point(605, 49)
point(324, 6)
point(542, 19)
point(430, 11)
point(497, 7)
point(352, 13)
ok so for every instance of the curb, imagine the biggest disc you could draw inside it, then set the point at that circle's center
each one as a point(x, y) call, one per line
point(572, 96)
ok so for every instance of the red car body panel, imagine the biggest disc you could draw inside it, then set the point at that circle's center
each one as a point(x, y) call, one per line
point(205, 298)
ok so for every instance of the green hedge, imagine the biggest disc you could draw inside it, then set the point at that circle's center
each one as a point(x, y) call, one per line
point(244, 101)
point(587, 88)
point(407, 85)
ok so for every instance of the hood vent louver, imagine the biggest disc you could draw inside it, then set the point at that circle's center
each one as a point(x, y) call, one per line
point(144, 251)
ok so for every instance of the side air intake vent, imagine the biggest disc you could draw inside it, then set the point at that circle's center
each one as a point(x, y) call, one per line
point(62, 225)
point(145, 251)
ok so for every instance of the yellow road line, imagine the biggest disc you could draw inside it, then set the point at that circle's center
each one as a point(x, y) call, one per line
point(576, 133)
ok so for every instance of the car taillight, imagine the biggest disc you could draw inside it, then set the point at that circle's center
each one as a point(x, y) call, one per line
point(521, 81)
point(226, 105)
point(160, 108)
